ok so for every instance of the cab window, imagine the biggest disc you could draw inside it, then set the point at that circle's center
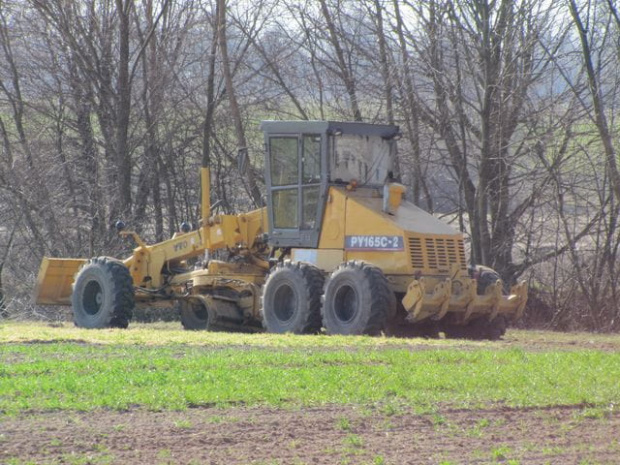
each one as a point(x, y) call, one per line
point(364, 159)
point(310, 201)
point(285, 209)
point(295, 169)
point(311, 159)
point(284, 161)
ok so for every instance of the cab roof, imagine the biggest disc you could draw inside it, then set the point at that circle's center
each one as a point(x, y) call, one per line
point(386, 131)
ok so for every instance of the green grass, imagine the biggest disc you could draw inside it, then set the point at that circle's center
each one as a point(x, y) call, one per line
point(171, 333)
point(71, 369)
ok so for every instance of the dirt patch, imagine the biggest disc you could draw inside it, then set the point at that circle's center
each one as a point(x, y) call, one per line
point(547, 340)
point(387, 434)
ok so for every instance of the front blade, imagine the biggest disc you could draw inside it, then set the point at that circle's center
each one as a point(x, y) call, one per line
point(55, 280)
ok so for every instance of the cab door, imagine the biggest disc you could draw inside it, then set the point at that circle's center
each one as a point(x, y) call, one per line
point(294, 187)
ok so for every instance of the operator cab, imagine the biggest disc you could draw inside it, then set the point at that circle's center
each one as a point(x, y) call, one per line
point(305, 157)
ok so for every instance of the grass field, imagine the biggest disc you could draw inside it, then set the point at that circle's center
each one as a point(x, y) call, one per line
point(161, 368)
point(156, 394)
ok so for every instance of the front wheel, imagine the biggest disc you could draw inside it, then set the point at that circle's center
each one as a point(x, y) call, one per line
point(292, 299)
point(357, 300)
point(103, 295)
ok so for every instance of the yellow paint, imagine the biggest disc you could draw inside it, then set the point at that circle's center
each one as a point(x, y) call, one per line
point(359, 213)
point(396, 192)
point(332, 233)
point(147, 261)
point(429, 271)
point(55, 280)
point(324, 259)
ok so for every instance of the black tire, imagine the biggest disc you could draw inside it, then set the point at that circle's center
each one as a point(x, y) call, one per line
point(494, 330)
point(486, 277)
point(479, 329)
point(357, 300)
point(103, 295)
point(291, 301)
point(195, 315)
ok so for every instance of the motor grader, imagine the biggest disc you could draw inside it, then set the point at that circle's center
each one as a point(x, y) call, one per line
point(336, 248)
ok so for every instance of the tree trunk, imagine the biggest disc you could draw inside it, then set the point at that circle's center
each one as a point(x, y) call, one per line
point(600, 119)
point(123, 88)
point(234, 106)
point(345, 72)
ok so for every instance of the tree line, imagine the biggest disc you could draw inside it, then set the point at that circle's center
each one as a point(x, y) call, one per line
point(507, 109)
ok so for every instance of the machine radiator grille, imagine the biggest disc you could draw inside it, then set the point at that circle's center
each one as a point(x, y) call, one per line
point(415, 250)
point(440, 253)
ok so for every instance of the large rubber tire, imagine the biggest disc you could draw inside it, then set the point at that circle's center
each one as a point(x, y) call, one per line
point(486, 278)
point(494, 330)
point(479, 329)
point(357, 300)
point(103, 295)
point(291, 301)
point(195, 315)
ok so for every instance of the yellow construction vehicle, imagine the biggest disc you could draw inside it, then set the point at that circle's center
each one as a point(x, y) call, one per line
point(337, 247)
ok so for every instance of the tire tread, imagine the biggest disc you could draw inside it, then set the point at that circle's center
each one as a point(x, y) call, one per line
point(382, 299)
point(123, 298)
point(313, 281)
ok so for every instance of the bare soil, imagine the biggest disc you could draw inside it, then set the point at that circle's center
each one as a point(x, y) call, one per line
point(334, 434)
point(325, 435)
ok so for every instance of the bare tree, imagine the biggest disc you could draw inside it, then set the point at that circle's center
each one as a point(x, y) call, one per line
point(232, 100)
point(588, 201)
point(480, 62)
point(595, 91)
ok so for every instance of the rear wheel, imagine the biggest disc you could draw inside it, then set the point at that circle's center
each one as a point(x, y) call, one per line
point(482, 328)
point(103, 294)
point(357, 300)
point(291, 301)
point(486, 277)
point(494, 330)
point(478, 330)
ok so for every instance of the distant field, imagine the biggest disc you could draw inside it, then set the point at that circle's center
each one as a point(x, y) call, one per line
point(45, 371)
